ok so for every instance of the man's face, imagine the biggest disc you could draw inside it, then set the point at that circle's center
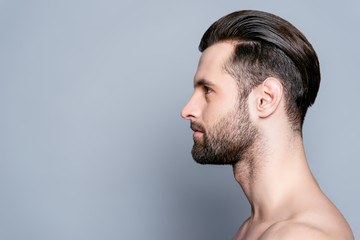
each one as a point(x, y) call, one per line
point(223, 132)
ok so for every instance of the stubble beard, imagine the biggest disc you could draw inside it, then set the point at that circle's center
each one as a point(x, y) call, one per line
point(230, 140)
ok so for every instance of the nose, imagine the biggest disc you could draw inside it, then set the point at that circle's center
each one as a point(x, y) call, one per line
point(192, 109)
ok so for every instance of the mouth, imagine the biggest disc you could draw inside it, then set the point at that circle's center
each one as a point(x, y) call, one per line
point(197, 130)
point(197, 134)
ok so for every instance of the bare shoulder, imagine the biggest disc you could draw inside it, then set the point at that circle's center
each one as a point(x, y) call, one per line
point(289, 230)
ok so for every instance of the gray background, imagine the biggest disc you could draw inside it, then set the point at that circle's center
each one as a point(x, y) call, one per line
point(92, 145)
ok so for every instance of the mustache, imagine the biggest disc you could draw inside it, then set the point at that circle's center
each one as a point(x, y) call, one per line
point(197, 126)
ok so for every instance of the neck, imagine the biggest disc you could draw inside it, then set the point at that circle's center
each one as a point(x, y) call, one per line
point(277, 177)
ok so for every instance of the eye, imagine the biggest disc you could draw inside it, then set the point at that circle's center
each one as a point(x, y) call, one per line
point(207, 90)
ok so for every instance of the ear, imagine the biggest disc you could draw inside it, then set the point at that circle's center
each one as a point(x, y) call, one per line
point(269, 94)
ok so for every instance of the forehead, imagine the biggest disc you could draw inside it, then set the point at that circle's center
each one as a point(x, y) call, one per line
point(212, 60)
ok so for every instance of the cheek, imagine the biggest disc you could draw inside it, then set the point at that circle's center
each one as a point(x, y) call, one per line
point(212, 113)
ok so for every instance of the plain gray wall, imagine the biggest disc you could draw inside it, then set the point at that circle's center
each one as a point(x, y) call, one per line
point(92, 145)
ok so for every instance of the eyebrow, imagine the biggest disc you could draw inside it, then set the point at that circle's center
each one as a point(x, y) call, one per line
point(203, 82)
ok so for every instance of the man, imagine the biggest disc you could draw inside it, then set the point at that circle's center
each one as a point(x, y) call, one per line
point(256, 78)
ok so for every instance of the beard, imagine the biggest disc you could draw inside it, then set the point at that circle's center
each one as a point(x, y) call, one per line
point(229, 140)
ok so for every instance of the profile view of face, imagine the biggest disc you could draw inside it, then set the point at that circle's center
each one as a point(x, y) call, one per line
point(223, 132)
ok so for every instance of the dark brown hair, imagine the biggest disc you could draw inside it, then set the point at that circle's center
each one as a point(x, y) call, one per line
point(269, 46)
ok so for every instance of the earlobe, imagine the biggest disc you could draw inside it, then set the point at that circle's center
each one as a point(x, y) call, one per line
point(269, 96)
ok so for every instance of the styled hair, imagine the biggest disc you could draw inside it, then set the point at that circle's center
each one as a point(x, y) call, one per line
point(269, 46)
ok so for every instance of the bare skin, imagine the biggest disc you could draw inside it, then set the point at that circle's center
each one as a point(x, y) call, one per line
point(286, 201)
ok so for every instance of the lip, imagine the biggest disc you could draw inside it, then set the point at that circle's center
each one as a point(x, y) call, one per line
point(197, 128)
point(197, 132)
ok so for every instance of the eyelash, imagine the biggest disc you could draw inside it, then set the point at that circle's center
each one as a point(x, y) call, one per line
point(207, 90)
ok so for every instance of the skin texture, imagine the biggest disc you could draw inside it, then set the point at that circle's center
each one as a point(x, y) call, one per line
point(286, 201)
